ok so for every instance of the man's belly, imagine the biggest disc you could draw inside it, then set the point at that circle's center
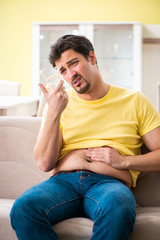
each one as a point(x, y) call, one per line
point(77, 160)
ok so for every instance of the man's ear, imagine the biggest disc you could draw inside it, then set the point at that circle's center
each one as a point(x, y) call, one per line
point(92, 58)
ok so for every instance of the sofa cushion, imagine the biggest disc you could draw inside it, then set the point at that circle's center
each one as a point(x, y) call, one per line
point(74, 228)
point(6, 232)
point(147, 224)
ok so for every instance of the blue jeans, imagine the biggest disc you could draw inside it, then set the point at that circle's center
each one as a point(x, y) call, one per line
point(105, 200)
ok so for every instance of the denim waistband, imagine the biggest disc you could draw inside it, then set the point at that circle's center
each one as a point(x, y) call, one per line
point(71, 171)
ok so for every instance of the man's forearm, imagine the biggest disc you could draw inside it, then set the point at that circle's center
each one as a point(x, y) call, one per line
point(146, 162)
point(49, 140)
point(48, 144)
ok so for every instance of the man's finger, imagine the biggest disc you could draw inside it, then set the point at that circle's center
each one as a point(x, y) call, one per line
point(58, 87)
point(44, 90)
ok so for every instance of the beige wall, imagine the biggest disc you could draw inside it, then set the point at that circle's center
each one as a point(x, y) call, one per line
point(16, 17)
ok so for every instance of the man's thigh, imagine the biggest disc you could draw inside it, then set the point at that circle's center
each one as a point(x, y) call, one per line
point(108, 196)
point(53, 198)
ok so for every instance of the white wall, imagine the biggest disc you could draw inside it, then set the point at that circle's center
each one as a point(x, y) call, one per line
point(151, 62)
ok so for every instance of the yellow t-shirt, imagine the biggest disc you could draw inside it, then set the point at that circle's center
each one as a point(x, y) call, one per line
point(117, 120)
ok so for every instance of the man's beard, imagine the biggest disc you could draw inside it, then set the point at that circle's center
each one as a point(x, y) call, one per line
point(83, 89)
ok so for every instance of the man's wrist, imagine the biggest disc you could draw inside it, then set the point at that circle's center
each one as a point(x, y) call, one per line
point(126, 162)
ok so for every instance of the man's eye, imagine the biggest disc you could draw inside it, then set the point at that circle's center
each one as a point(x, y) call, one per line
point(62, 71)
point(74, 63)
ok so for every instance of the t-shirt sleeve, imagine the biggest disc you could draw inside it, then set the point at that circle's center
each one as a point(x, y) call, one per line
point(148, 116)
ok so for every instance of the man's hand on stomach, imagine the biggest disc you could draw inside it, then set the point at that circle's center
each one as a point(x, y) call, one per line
point(107, 155)
point(79, 160)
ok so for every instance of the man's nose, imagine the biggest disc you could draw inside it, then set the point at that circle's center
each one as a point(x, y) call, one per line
point(71, 74)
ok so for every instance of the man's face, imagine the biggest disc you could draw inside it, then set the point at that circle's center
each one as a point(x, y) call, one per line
point(76, 70)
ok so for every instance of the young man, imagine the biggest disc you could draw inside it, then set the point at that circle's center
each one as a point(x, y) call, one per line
point(90, 138)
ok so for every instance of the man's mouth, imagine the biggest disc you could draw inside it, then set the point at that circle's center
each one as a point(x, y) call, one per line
point(76, 81)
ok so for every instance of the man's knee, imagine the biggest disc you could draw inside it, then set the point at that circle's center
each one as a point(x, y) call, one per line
point(22, 208)
point(18, 211)
point(120, 204)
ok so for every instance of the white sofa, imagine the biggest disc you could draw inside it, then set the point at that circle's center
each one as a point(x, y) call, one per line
point(8, 88)
point(18, 172)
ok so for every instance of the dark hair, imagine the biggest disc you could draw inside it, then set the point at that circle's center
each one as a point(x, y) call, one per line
point(79, 44)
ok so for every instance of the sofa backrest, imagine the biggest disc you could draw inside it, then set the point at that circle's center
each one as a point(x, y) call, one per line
point(19, 171)
point(147, 190)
